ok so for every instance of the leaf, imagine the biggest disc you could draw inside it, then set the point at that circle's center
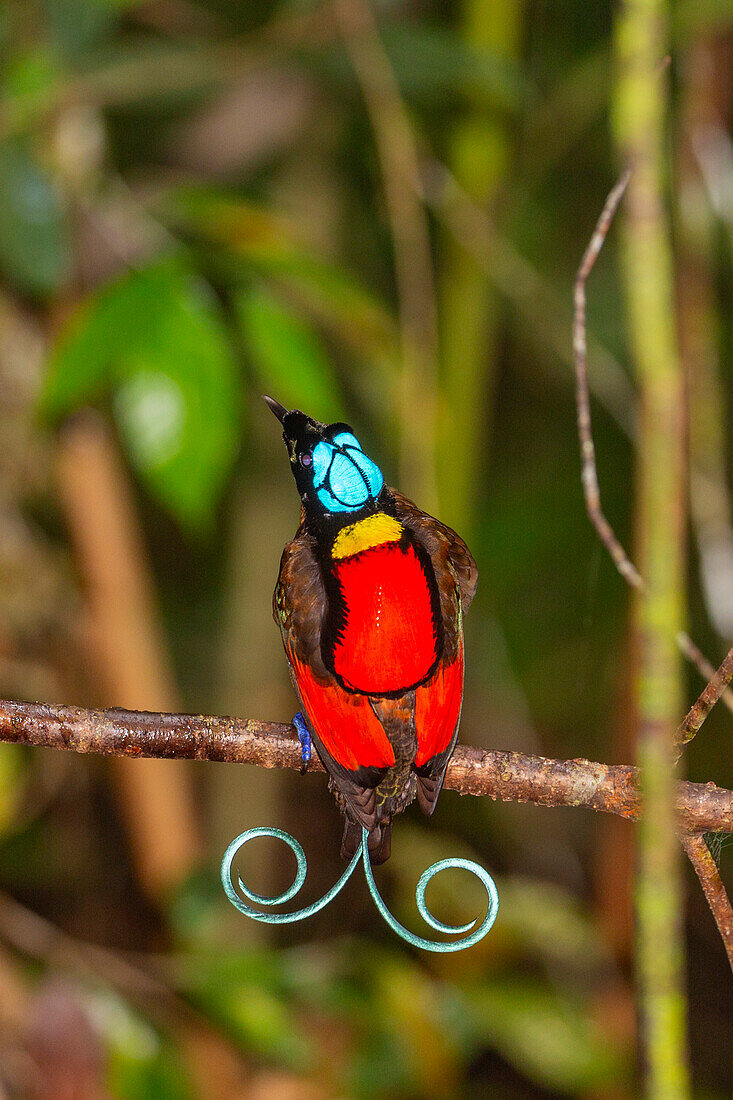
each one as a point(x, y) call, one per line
point(432, 61)
point(77, 25)
point(244, 993)
point(156, 342)
point(548, 1035)
point(141, 1064)
point(433, 64)
point(12, 785)
point(34, 245)
point(413, 1010)
point(287, 355)
point(33, 72)
point(257, 241)
point(550, 924)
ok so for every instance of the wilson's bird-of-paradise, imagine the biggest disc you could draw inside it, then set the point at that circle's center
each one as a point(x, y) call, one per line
point(370, 601)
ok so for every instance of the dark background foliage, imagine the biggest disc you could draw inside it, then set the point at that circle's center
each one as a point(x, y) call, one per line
point(195, 208)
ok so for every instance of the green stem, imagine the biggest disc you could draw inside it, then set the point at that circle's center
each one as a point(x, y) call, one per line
point(399, 162)
point(479, 161)
point(640, 115)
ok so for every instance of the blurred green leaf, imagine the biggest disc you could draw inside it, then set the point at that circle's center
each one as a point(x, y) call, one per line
point(380, 1068)
point(431, 61)
point(693, 18)
point(156, 341)
point(240, 240)
point(252, 239)
point(245, 993)
point(413, 1011)
point(550, 924)
point(76, 25)
point(267, 1026)
point(141, 1064)
point(34, 244)
point(12, 784)
point(194, 908)
point(549, 1036)
point(29, 73)
point(286, 354)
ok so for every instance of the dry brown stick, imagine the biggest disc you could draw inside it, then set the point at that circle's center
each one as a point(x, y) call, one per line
point(711, 882)
point(591, 490)
point(589, 475)
point(695, 847)
point(509, 776)
point(705, 702)
point(127, 646)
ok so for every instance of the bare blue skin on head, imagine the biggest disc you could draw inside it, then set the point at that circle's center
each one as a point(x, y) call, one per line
point(343, 476)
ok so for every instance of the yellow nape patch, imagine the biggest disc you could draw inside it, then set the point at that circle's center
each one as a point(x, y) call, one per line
point(369, 532)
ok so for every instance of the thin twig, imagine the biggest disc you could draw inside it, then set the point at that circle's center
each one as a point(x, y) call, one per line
point(140, 979)
point(31, 934)
point(705, 702)
point(589, 476)
point(711, 882)
point(536, 302)
point(591, 489)
point(509, 776)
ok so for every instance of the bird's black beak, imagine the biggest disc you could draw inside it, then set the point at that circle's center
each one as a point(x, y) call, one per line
point(276, 408)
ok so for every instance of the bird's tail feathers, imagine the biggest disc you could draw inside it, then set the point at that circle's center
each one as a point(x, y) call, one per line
point(379, 842)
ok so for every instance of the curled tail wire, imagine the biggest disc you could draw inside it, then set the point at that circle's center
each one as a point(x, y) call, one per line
point(476, 931)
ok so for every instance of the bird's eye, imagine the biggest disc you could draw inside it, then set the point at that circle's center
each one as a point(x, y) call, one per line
point(306, 459)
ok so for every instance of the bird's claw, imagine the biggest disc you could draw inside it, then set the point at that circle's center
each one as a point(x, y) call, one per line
point(305, 740)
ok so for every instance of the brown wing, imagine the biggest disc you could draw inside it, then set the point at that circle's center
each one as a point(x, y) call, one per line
point(442, 543)
point(299, 601)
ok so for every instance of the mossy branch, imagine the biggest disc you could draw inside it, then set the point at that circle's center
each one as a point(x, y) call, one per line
point(509, 776)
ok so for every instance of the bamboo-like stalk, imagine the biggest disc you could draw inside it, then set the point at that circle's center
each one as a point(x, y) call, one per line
point(640, 115)
point(398, 156)
point(479, 158)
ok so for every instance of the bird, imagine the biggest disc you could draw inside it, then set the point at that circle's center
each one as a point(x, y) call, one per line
point(370, 599)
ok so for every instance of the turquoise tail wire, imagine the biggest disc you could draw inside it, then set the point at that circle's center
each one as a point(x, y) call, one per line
point(281, 899)
point(476, 931)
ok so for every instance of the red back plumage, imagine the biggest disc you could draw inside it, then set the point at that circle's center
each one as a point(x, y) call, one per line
point(388, 639)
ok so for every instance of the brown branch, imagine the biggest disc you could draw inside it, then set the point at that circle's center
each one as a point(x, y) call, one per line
point(710, 880)
point(705, 702)
point(589, 476)
point(509, 776)
point(591, 489)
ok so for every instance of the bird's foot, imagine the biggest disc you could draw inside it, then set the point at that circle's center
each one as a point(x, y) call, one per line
point(305, 740)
